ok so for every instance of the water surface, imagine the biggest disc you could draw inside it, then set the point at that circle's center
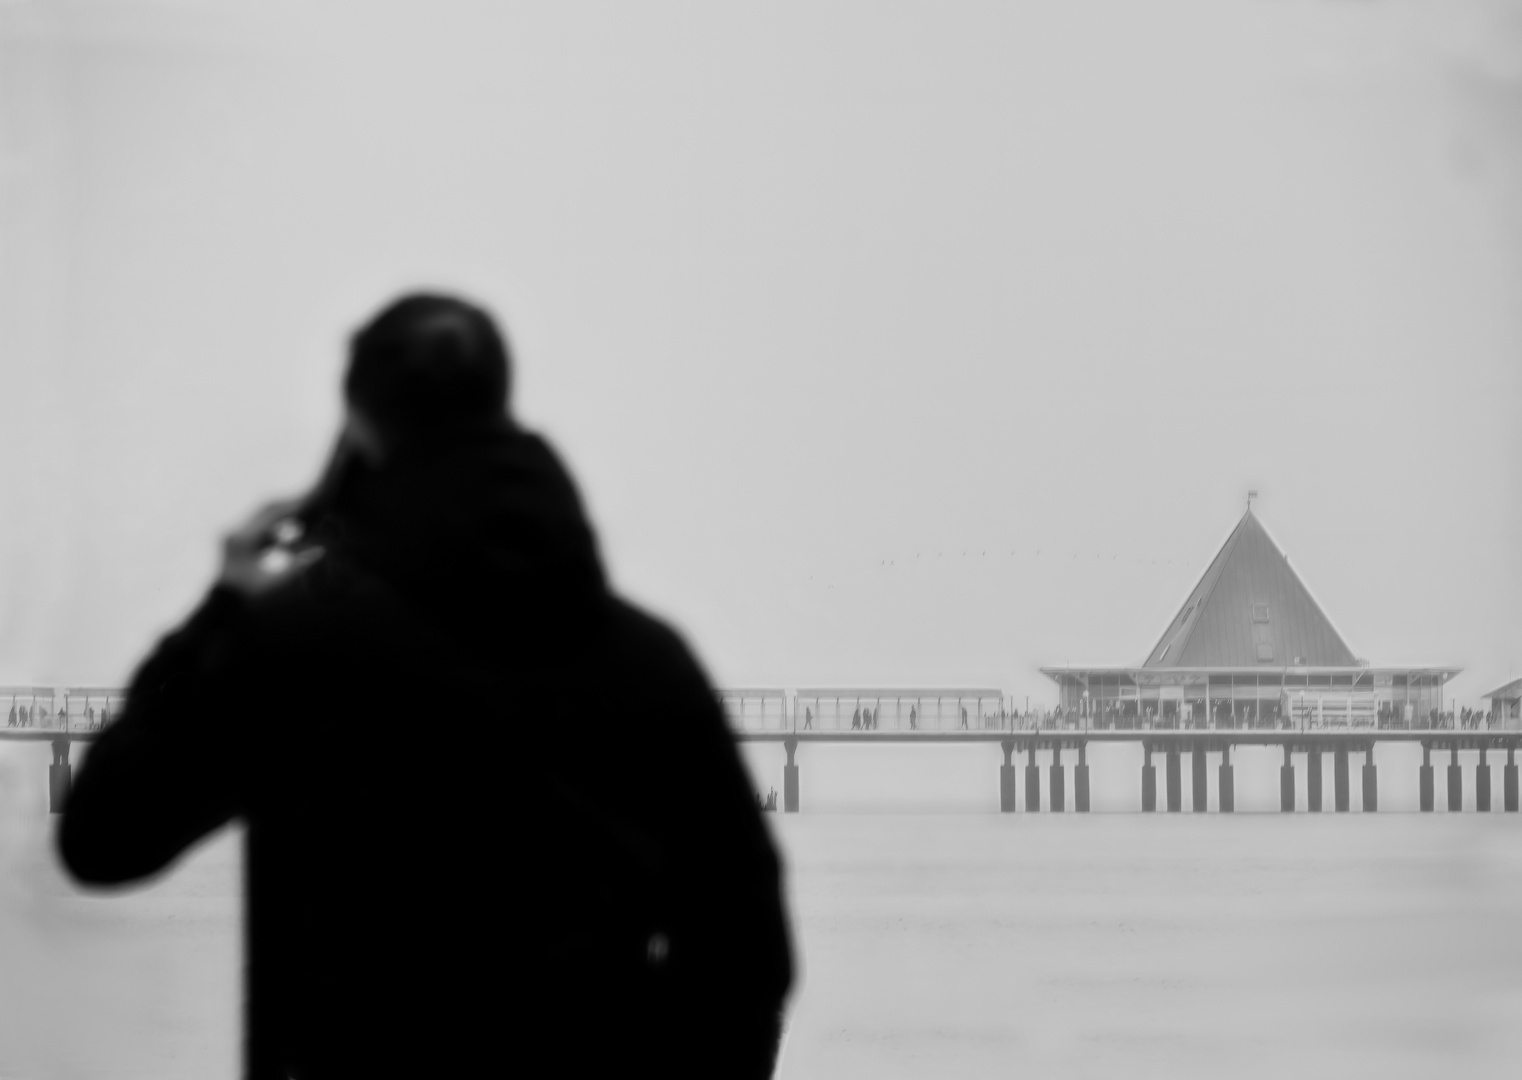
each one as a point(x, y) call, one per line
point(934, 945)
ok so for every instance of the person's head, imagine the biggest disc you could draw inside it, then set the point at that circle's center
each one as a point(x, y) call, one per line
point(425, 368)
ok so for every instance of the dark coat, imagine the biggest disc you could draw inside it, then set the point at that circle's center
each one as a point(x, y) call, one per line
point(455, 864)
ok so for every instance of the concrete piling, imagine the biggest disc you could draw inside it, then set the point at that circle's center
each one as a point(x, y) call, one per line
point(1287, 783)
point(1482, 785)
point(1370, 782)
point(1425, 778)
point(1032, 779)
point(1175, 784)
point(1226, 782)
point(60, 775)
point(1081, 780)
point(1455, 781)
point(1058, 796)
point(1509, 781)
point(790, 779)
point(1313, 779)
point(1199, 796)
point(1149, 780)
point(1340, 778)
point(1007, 778)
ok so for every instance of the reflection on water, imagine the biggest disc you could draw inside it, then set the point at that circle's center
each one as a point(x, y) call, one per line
point(932, 945)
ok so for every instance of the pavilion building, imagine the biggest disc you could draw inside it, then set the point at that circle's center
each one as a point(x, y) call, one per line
point(1506, 705)
point(1251, 648)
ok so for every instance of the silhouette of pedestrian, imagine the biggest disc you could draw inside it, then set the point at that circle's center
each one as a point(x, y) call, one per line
point(808, 718)
point(12, 721)
point(964, 716)
point(912, 715)
point(445, 545)
point(856, 719)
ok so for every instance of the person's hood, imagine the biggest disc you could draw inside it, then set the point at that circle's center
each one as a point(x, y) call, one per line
point(488, 524)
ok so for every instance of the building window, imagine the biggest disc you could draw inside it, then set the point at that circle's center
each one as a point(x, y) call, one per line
point(1263, 641)
point(1260, 613)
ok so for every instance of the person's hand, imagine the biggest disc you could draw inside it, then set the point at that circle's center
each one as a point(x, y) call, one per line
point(254, 556)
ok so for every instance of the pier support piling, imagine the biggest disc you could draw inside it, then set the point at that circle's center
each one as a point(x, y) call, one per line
point(1455, 781)
point(1313, 779)
point(1199, 796)
point(1081, 780)
point(1370, 782)
point(1058, 797)
point(1149, 781)
point(1287, 784)
point(1032, 780)
point(1007, 778)
point(1340, 778)
point(1482, 785)
point(1509, 781)
point(1227, 782)
point(60, 776)
point(790, 778)
point(1175, 783)
point(1425, 776)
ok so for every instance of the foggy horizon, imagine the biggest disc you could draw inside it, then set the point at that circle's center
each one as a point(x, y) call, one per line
point(813, 302)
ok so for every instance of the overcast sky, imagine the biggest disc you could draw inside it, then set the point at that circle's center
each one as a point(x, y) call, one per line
point(891, 344)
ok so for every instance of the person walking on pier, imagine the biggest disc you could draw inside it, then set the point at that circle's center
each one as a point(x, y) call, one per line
point(912, 717)
point(12, 721)
point(856, 719)
point(572, 900)
point(808, 718)
point(964, 716)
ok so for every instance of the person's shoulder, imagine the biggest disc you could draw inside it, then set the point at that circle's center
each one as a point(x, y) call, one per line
point(637, 626)
point(651, 641)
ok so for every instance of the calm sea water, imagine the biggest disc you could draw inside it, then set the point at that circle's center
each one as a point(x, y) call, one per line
point(937, 945)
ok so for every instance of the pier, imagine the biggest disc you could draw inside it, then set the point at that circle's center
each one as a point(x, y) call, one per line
point(1316, 747)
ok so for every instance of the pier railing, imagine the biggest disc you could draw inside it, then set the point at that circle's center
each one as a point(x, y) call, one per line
point(775, 710)
point(75, 709)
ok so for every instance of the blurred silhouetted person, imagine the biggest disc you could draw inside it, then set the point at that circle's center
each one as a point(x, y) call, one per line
point(565, 899)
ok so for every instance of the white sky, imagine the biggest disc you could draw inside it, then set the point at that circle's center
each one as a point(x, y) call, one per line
point(814, 297)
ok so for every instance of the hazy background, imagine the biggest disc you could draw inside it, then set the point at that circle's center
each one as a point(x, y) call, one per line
point(891, 344)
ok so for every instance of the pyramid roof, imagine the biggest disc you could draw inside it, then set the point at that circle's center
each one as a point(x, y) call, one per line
point(1250, 609)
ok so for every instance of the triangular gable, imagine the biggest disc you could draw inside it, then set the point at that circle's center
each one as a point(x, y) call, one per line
point(1248, 610)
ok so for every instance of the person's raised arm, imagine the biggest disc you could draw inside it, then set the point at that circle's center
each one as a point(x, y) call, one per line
point(160, 776)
